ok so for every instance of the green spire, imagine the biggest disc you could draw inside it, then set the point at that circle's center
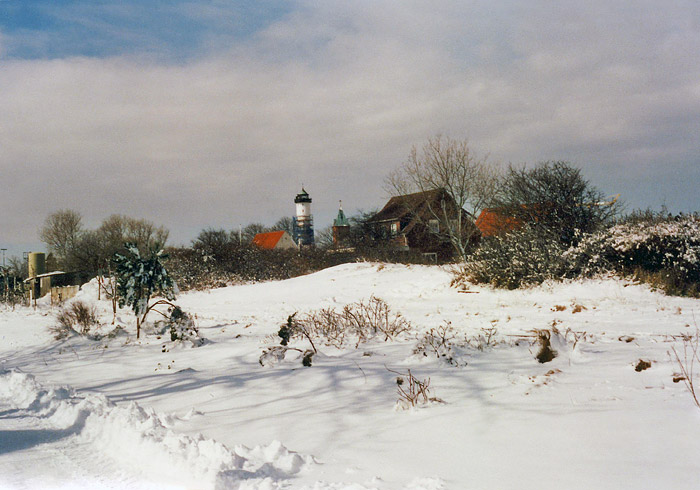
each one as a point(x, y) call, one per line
point(341, 220)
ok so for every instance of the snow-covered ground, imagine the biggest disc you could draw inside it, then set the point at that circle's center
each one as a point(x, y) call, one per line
point(150, 413)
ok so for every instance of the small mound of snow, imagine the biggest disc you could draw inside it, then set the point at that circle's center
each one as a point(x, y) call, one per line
point(426, 484)
point(276, 454)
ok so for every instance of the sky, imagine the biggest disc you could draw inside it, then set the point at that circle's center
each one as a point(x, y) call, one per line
point(197, 114)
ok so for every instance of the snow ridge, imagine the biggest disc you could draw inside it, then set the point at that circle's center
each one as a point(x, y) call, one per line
point(137, 440)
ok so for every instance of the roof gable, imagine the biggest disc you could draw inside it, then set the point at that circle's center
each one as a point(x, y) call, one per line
point(410, 204)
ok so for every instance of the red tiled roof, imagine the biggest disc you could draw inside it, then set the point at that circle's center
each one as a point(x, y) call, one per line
point(492, 222)
point(267, 241)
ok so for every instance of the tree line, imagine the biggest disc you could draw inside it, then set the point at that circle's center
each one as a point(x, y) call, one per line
point(552, 196)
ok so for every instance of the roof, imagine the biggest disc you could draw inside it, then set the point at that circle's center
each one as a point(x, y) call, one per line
point(268, 241)
point(341, 220)
point(302, 197)
point(46, 274)
point(493, 221)
point(408, 204)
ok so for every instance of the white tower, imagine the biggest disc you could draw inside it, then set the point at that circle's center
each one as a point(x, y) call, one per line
point(304, 221)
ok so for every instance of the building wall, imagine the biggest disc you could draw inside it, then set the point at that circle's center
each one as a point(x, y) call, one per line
point(62, 293)
point(286, 242)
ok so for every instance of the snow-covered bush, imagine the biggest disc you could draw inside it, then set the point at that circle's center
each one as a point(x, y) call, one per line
point(666, 253)
point(289, 330)
point(181, 327)
point(519, 258)
point(191, 269)
point(662, 252)
point(445, 344)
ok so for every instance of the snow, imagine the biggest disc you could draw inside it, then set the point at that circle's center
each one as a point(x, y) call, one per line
point(152, 413)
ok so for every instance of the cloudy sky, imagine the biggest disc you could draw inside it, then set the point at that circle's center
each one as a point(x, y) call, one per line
point(198, 114)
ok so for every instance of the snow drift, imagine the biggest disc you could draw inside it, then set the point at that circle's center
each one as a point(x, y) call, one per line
point(137, 438)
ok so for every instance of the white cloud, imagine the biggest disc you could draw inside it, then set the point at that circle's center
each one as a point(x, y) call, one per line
point(334, 96)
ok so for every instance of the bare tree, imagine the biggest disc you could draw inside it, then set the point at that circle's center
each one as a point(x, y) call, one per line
point(285, 223)
point(469, 181)
point(87, 254)
point(324, 238)
point(61, 232)
point(117, 229)
point(214, 243)
point(554, 197)
point(18, 267)
point(249, 231)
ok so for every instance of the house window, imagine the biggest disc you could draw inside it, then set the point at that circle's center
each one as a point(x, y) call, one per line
point(395, 228)
point(434, 226)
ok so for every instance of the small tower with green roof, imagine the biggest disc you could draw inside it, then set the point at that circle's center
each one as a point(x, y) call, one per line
point(341, 228)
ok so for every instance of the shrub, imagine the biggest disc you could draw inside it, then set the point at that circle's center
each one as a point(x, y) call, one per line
point(182, 327)
point(277, 353)
point(520, 258)
point(438, 342)
point(665, 253)
point(141, 276)
point(412, 391)
point(443, 343)
point(359, 322)
point(78, 317)
point(484, 339)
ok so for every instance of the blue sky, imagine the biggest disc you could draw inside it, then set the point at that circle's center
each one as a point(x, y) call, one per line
point(164, 29)
point(198, 114)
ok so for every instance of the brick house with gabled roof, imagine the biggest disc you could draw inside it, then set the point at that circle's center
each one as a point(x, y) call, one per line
point(411, 222)
point(274, 240)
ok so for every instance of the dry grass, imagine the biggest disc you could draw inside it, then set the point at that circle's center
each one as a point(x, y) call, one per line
point(686, 363)
point(412, 391)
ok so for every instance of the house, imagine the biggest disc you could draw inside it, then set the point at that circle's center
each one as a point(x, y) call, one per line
point(411, 222)
point(274, 240)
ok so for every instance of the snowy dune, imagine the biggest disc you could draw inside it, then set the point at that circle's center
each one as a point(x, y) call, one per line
point(122, 413)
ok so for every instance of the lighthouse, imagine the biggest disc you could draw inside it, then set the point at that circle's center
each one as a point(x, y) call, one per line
point(304, 221)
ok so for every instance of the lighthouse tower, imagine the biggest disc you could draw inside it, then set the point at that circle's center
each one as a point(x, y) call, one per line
point(304, 221)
